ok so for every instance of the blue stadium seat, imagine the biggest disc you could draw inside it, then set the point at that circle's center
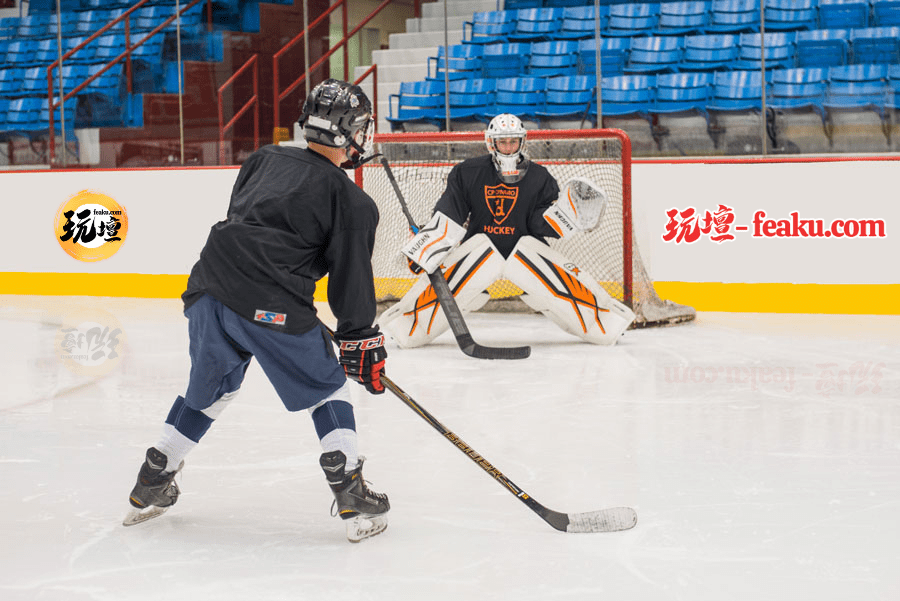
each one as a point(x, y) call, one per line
point(505, 60)
point(893, 82)
point(464, 62)
point(4, 110)
point(46, 52)
point(149, 17)
point(83, 55)
point(634, 19)
point(568, 97)
point(798, 88)
point(734, 16)
point(107, 84)
point(489, 27)
point(710, 52)
point(34, 81)
point(11, 81)
point(4, 44)
point(655, 54)
point(628, 95)
point(523, 4)
point(553, 58)
point(521, 96)
point(683, 18)
point(579, 23)
point(843, 14)
point(823, 47)
point(857, 86)
point(72, 76)
point(885, 13)
point(872, 45)
point(34, 26)
point(20, 52)
point(682, 92)
point(779, 50)
point(471, 99)
point(790, 15)
point(9, 27)
point(23, 113)
point(613, 56)
point(417, 103)
point(534, 24)
point(43, 119)
point(736, 91)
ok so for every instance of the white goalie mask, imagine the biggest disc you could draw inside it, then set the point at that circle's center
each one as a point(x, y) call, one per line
point(506, 160)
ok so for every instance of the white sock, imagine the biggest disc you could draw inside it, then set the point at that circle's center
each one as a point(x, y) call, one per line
point(343, 440)
point(175, 446)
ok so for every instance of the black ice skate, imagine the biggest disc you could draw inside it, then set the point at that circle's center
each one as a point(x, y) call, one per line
point(154, 491)
point(364, 511)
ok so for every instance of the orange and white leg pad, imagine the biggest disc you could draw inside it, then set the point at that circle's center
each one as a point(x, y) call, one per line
point(417, 318)
point(569, 297)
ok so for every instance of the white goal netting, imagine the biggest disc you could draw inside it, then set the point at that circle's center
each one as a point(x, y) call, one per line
point(421, 162)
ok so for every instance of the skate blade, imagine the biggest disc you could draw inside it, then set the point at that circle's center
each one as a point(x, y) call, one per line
point(362, 527)
point(137, 516)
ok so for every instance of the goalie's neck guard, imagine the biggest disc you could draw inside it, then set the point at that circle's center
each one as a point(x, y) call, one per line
point(514, 168)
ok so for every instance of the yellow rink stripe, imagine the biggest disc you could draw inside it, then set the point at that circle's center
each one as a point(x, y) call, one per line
point(873, 299)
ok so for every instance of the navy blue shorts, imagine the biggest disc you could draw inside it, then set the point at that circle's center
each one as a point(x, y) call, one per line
point(302, 368)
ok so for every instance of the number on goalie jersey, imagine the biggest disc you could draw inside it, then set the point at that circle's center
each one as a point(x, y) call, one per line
point(505, 198)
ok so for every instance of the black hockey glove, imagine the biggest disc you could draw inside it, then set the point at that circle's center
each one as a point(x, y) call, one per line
point(363, 360)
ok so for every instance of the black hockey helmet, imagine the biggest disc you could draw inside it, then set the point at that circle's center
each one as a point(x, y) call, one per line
point(338, 114)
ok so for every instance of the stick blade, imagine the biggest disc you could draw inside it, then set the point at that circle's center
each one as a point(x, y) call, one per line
point(478, 351)
point(613, 519)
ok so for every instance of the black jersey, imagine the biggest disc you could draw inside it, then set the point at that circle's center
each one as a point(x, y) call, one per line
point(505, 212)
point(294, 217)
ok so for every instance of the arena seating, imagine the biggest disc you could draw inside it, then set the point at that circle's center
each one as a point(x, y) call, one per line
point(28, 45)
point(696, 57)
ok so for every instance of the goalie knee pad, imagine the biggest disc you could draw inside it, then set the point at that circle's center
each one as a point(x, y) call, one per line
point(418, 319)
point(566, 295)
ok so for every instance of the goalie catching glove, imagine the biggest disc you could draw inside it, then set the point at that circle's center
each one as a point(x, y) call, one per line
point(433, 241)
point(578, 209)
point(363, 360)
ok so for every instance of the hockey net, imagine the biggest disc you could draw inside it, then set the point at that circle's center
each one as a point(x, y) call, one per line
point(421, 163)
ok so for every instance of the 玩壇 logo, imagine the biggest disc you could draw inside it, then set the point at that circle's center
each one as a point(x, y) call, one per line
point(91, 226)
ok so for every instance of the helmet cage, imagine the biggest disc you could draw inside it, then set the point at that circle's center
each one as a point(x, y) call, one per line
point(502, 127)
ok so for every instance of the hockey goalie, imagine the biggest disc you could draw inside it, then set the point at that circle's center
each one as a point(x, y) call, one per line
point(491, 222)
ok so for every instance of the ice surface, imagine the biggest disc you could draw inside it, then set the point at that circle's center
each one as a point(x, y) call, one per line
point(762, 453)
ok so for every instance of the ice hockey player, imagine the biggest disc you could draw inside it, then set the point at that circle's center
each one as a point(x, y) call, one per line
point(294, 216)
point(511, 207)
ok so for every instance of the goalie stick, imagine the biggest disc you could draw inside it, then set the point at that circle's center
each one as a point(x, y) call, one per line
point(448, 304)
point(612, 519)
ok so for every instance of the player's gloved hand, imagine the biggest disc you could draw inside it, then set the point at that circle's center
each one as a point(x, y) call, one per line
point(363, 360)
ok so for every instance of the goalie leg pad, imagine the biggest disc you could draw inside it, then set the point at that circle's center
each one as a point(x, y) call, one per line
point(568, 296)
point(417, 318)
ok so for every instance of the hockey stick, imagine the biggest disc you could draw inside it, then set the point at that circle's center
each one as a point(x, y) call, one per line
point(448, 303)
point(611, 519)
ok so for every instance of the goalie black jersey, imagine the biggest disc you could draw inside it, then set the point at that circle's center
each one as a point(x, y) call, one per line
point(293, 218)
point(505, 212)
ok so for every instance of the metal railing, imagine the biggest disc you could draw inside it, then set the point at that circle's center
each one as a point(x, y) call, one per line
point(126, 56)
point(253, 63)
point(279, 96)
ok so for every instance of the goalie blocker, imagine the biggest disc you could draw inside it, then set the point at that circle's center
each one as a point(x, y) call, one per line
point(552, 285)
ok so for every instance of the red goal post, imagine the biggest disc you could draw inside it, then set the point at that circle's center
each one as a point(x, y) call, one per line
point(421, 162)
